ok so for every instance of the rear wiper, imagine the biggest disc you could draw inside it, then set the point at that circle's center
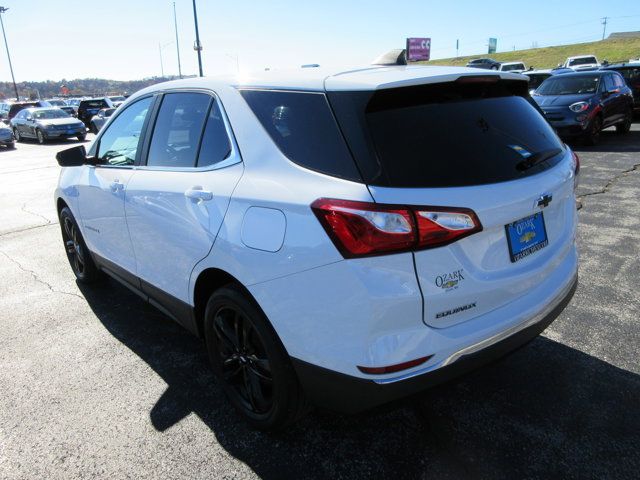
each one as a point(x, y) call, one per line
point(536, 158)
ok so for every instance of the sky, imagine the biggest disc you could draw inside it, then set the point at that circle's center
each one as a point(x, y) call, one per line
point(124, 39)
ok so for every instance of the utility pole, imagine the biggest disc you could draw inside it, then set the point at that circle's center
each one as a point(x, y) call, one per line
point(175, 24)
point(15, 87)
point(604, 28)
point(457, 48)
point(197, 46)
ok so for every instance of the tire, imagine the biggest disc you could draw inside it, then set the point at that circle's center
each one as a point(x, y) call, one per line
point(249, 361)
point(78, 254)
point(11, 145)
point(593, 137)
point(93, 128)
point(40, 137)
point(17, 135)
point(494, 67)
point(625, 126)
point(81, 137)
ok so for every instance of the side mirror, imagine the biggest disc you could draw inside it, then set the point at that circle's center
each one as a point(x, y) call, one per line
point(74, 157)
point(29, 119)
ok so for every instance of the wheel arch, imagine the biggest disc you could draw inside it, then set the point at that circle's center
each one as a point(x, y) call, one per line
point(208, 281)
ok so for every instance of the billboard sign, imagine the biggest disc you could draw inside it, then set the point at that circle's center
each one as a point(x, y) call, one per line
point(418, 49)
point(493, 45)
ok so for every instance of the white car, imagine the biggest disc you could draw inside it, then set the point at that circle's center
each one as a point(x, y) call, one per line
point(581, 62)
point(513, 67)
point(338, 238)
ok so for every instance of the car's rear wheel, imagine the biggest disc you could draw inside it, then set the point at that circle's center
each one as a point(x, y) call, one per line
point(593, 135)
point(250, 362)
point(494, 67)
point(17, 135)
point(78, 254)
point(625, 125)
point(82, 136)
point(11, 145)
point(40, 137)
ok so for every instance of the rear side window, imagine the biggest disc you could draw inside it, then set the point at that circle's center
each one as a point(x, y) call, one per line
point(447, 135)
point(215, 146)
point(302, 125)
point(178, 129)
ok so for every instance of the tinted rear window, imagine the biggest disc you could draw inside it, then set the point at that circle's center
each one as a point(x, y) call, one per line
point(446, 135)
point(94, 104)
point(301, 124)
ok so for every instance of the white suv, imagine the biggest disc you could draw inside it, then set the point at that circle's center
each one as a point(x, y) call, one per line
point(339, 239)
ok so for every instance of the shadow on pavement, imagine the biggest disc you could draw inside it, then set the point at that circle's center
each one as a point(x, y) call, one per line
point(611, 141)
point(545, 411)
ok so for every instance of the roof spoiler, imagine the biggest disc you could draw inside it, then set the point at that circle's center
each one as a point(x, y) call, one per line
point(397, 56)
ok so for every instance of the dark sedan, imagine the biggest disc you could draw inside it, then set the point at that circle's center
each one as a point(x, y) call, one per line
point(46, 124)
point(582, 104)
point(486, 63)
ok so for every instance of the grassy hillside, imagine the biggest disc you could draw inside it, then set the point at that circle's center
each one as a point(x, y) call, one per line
point(548, 57)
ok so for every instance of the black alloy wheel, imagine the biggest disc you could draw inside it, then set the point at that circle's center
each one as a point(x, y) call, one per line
point(593, 136)
point(250, 362)
point(625, 126)
point(77, 252)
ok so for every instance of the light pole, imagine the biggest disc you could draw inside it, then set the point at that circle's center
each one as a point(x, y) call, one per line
point(175, 24)
point(197, 46)
point(160, 47)
point(15, 87)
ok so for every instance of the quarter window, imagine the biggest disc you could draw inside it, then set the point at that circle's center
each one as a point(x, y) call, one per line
point(178, 129)
point(216, 145)
point(120, 142)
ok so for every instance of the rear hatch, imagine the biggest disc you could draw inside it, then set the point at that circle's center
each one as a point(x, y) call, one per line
point(475, 143)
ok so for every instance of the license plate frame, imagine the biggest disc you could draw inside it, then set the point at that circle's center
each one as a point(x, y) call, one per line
point(526, 236)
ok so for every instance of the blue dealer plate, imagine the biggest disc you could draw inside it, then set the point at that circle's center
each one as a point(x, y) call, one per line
point(526, 236)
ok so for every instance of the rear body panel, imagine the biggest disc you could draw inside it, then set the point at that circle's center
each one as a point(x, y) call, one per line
point(476, 274)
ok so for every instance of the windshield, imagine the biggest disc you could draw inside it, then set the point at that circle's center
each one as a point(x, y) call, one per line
point(569, 85)
point(536, 79)
point(49, 114)
point(513, 66)
point(583, 61)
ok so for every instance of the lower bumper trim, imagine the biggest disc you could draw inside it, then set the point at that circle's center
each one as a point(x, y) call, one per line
point(347, 394)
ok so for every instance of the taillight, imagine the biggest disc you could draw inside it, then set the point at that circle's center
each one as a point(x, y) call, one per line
point(576, 168)
point(363, 229)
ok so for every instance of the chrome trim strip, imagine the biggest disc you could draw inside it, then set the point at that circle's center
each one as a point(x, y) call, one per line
point(487, 342)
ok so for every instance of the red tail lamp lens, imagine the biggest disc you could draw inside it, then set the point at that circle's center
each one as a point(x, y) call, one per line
point(363, 228)
point(394, 368)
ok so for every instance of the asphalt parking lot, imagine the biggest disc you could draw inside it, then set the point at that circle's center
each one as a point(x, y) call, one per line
point(94, 383)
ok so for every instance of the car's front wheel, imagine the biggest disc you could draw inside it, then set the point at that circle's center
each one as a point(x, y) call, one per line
point(78, 254)
point(82, 136)
point(40, 137)
point(16, 135)
point(250, 362)
point(593, 135)
point(625, 125)
point(93, 128)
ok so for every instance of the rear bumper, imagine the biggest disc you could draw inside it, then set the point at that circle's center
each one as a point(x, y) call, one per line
point(345, 393)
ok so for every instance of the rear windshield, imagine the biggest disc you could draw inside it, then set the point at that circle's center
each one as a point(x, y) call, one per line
point(570, 85)
point(447, 135)
point(94, 104)
point(302, 126)
point(582, 61)
point(514, 66)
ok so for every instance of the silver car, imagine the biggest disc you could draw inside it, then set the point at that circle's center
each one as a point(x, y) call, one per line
point(100, 118)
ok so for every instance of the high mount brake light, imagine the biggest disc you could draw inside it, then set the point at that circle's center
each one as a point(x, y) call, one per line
point(479, 79)
point(361, 229)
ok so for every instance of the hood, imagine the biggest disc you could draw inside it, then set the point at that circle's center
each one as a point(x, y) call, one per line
point(72, 122)
point(561, 100)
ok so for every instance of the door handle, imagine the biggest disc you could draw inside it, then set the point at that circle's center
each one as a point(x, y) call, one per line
point(198, 194)
point(116, 186)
